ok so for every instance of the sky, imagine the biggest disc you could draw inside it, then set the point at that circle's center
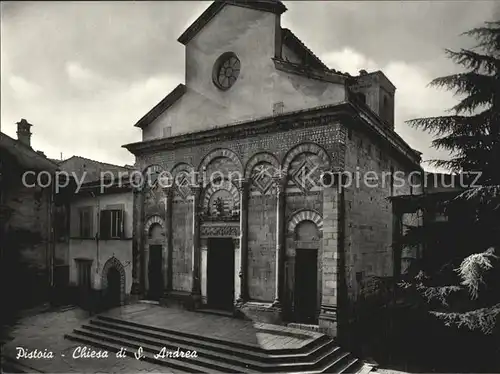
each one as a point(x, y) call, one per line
point(83, 73)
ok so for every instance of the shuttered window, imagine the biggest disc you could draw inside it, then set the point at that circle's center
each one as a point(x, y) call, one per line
point(111, 224)
point(85, 222)
point(84, 274)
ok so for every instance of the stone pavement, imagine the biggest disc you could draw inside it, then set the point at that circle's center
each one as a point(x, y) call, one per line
point(46, 331)
point(225, 328)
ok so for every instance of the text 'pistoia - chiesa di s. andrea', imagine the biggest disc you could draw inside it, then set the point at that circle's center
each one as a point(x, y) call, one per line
point(251, 224)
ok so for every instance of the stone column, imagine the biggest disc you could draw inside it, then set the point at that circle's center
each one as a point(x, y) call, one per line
point(168, 241)
point(236, 275)
point(203, 271)
point(138, 243)
point(243, 294)
point(280, 242)
point(332, 251)
point(196, 254)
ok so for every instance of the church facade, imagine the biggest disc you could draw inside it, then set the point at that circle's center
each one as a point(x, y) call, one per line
point(258, 201)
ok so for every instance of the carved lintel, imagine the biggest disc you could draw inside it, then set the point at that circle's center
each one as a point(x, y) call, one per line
point(220, 231)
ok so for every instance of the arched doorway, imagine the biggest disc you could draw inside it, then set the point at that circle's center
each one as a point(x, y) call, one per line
point(304, 264)
point(306, 273)
point(113, 291)
point(219, 252)
point(113, 283)
point(155, 276)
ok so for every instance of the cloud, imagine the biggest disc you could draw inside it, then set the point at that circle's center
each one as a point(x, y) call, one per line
point(414, 98)
point(22, 88)
point(96, 67)
point(93, 126)
point(349, 61)
point(80, 77)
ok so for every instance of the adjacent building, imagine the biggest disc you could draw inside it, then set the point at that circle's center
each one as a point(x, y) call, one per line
point(27, 219)
point(98, 240)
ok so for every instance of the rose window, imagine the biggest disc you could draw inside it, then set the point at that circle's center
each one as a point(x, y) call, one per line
point(226, 70)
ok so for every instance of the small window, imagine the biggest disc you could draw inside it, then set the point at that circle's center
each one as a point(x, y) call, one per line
point(386, 110)
point(111, 224)
point(167, 131)
point(61, 223)
point(84, 273)
point(85, 222)
point(361, 97)
point(278, 108)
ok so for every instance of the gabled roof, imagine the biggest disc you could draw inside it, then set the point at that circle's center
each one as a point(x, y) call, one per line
point(105, 164)
point(296, 45)
point(273, 6)
point(26, 156)
point(162, 106)
point(90, 169)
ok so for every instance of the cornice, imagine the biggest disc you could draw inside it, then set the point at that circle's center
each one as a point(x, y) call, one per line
point(341, 112)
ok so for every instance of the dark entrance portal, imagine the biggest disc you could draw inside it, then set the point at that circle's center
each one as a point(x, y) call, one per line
point(220, 274)
point(114, 287)
point(155, 275)
point(306, 283)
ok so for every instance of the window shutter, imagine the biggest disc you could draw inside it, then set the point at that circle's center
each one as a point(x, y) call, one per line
point(90, 218)
point(121, 224)
point(81, 222)
point(105, 224)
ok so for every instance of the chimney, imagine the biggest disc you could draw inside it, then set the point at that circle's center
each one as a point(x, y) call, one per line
point(23, 132)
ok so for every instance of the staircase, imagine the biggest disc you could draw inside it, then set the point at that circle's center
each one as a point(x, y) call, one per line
point(321, 355)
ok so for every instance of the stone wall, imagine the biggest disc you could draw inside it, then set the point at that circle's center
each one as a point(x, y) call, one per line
point(182, 230)
point(355, 224)
point(368, 212)
point(241, 158)
point(27, 245)
point(261, 247)
point(328, 134)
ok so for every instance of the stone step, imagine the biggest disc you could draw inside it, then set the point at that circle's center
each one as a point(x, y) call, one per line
point(176, 364)
point(215, 312)
point(254, 348)
point(221, 346)
point(331, 353)
point(214, 355)
point(202, 366)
